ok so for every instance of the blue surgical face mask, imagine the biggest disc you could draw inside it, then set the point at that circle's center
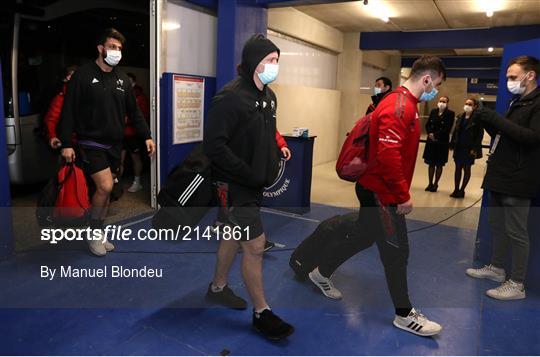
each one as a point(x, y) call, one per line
point(377, 90)
point(427, 96)
point(270, 73)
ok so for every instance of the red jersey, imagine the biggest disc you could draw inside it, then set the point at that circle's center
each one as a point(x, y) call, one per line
point(394, 139)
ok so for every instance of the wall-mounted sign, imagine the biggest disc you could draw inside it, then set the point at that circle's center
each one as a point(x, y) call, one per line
point(188, 105)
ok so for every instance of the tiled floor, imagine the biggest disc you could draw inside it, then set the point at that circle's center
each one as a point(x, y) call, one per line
point(169, 317)
point(328, 189)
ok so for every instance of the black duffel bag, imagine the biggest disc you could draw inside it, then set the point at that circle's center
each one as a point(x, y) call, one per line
point(338, 230)
point(187, 194)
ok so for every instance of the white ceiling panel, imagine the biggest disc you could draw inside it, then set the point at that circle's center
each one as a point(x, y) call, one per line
point(471, 13)
point(418, 15)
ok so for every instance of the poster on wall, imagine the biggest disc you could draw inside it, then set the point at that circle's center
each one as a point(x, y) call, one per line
point(188, 102)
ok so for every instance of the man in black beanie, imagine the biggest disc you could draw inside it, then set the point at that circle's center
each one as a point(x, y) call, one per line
point(240, 140)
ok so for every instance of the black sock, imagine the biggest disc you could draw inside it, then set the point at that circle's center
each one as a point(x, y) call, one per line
point(403, 312)
point(96, 223)
point(324, 272)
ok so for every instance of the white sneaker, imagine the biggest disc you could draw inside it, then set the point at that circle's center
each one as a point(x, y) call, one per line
point(96, 247)
point(135, 187)
point(417, 323)
point(325, 284)
point(488, 272)
point(509, 290)
point(108, 246)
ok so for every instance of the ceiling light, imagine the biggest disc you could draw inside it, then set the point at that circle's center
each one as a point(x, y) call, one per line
point(378, 9)
point(490, 6)
point(490, 49)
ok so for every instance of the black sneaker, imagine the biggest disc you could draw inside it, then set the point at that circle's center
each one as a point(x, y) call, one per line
point(268, 245)
point(226, 297)
point(271, 326)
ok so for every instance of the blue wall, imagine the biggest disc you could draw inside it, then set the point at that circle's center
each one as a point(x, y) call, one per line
point(238, 20)
point(483, 238)
point(480, 38)
point(6, 230)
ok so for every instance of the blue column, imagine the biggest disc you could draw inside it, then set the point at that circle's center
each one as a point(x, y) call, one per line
point(238, 20)
point(483, 238)
point(6, 231)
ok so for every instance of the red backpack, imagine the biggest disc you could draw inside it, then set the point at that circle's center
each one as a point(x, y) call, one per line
point(353, 158)
point(72, 202)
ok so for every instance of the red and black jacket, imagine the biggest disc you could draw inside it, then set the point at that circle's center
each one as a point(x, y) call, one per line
point(394, 140)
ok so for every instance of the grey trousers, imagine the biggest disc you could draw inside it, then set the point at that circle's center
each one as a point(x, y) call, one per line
point(508, 218)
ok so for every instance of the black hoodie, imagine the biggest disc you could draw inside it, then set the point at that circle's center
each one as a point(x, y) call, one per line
point(240, 133)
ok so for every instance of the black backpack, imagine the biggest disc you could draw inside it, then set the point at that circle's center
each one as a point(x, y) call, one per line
point(188, 193)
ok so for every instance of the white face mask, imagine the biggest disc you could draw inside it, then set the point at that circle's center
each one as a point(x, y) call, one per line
point(515, 87)
point(113, 57)
point(441, 105)
point(467, 108)
point(377, 90)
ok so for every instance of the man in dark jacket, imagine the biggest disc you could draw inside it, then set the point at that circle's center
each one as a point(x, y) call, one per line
point(512, 177)
point(98, 99)
point(382, 87)
point(240, 140)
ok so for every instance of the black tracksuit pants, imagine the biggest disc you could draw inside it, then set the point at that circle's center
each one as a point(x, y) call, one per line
point(384, 227)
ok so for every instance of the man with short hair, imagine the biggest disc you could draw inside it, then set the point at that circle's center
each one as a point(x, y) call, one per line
point(512, 178)
point(383, 192)
point(383, 86)
point(240, 140)
point(98, 99)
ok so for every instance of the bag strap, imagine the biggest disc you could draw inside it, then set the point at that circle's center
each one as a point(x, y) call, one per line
point(70, 172)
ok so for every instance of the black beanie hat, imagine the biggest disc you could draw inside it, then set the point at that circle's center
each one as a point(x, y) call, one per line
point(255, 49)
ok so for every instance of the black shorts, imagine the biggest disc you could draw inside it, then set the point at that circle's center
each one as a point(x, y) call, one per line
point(240, 207)
point(133, 144)
point(95, 160)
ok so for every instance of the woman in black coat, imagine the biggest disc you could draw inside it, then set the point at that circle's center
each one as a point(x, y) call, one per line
point(467, 145)
point(438, 128)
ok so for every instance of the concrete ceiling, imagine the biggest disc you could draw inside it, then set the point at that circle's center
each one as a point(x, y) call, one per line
point(422, 15)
